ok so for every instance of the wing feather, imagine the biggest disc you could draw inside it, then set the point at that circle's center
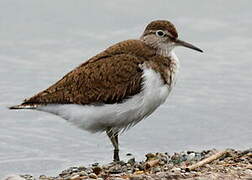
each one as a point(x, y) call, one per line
point(109, 80)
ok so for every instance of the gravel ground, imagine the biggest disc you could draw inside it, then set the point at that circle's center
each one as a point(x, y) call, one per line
point(206, 165)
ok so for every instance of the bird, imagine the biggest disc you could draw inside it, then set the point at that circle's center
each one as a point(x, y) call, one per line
point(117, 88)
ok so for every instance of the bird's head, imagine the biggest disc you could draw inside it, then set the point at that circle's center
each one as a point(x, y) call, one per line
point(162, 35)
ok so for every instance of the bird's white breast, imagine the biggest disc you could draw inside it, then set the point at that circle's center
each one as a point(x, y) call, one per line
point(119, 116)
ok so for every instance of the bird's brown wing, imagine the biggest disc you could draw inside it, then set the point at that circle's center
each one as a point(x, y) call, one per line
point(110, 79)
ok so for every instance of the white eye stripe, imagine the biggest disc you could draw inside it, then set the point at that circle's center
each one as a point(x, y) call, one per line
point(165, 32)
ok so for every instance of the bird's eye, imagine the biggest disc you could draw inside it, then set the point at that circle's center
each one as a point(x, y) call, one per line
point(160, 33)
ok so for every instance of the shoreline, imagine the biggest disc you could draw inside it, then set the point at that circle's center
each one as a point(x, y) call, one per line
point(208, 164)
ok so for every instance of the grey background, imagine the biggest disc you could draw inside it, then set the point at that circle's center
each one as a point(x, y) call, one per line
point(41, 40)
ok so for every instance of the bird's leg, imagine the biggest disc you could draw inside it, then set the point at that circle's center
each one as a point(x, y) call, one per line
point(116, 150)
point(113, 136)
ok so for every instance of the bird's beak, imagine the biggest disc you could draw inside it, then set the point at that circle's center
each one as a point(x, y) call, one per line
point(186, 44)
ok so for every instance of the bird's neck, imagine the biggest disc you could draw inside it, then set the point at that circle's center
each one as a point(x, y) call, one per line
point(165, 50)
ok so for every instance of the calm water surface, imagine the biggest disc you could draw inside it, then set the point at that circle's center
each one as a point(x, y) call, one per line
point(40, 41)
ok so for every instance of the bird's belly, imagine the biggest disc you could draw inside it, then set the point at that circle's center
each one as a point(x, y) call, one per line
point(118, 116)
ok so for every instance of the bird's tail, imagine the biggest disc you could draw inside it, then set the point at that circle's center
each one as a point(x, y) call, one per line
point(24, 106)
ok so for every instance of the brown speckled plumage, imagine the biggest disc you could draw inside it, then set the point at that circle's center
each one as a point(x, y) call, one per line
point(108, 77)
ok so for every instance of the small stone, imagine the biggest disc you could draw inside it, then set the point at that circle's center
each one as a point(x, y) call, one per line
point(162, 163)
point(93, 175)
point(97, 170)
point(89, 170)
point(75, 169)
point(128, 165)
point(157, 169)
point(42, 177)
point(141, 166)
point(166, 168)
point(115, 170)
point(131, 161)
point(187, 173)
point(176, 170)
point(67, 177)
point(183, 170)
point(248, 172)
point(83, 173)
point(136, 169)
point(164, 158)
point(161, 174)
point(138, 172)
point(95, 164)
point(105, 167)
point(191, 156)
point(150, 156)
point(135, 177)
point(124, 169)
point(82, 168)
point(75, 177)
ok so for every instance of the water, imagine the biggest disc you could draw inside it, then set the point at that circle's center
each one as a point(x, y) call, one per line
point(210, 107)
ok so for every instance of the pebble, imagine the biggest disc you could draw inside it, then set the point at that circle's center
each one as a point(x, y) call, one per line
point(150, 156)
point(176, 170)
point(191, 156)
point(183, 170)
point(115, 170)
point(42, 177)
point(93, 175)
point(75, 169)
point(187, 173)
point(75, 177)
point(89, 170)
point(131, 161)
point(162, 163)
point(157, 169)
point(161, 174)
point(82, 168)
point(165, 159)
point(97, 170)
point(136, 177)
point(248, 171)
point(95, 164)
point(136, 169)
point(83, 173)
point(128, 165)
point(166, 168)
point(141, 167)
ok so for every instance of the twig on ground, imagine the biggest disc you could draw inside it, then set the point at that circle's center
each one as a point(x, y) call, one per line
point(206, 161)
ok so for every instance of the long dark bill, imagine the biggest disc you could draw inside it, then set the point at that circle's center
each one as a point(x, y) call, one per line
point(186, 44)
